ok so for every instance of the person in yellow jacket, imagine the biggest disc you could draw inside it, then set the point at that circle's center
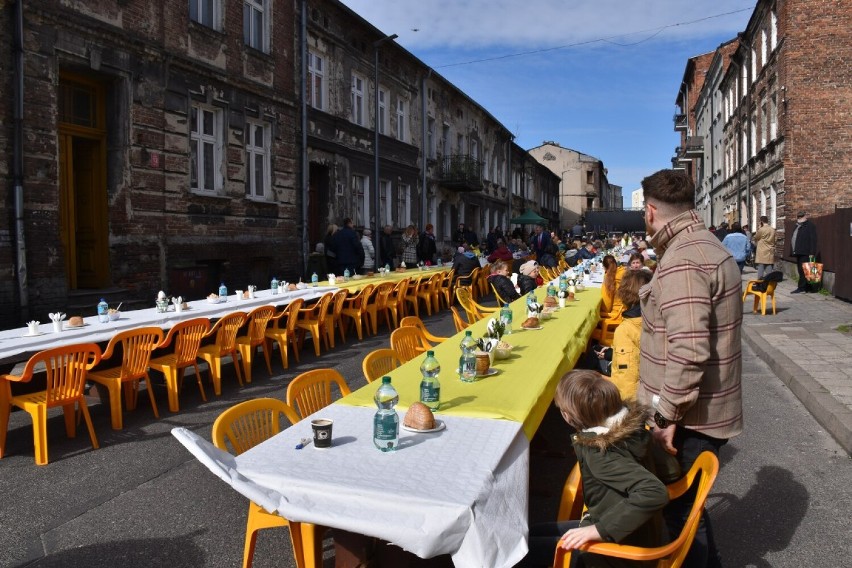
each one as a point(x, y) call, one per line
point(624, 371)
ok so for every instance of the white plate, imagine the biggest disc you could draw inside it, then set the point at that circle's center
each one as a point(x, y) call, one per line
point(439, 425)
point(532, 328)
point(36, 334)
point(69, 327)
point(489, 373)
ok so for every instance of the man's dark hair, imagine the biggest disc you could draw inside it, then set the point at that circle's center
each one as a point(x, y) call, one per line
point(764, 219)
point(347, 221)
point(671, 187)
point(736, 228)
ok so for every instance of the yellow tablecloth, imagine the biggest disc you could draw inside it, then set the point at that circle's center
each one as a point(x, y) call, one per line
point(354, 285)
point(524, 385)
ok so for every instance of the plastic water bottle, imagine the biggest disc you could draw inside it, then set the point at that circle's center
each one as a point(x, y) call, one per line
point(467, 362)
point(346, 275)
point(440, 263)
point(314, 280)
point(531, 299)
point(430, 386)
point(103, 311)
point(386, 421)
point(551, 289)
point(563, 282)
point(506, 318)
point(223, 292)
point(274, 286)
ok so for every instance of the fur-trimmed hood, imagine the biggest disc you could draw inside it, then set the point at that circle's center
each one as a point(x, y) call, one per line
point(624, 431)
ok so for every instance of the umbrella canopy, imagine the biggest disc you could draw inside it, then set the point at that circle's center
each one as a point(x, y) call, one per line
point(528, 217)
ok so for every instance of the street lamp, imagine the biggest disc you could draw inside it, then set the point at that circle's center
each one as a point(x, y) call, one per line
point(376, 199)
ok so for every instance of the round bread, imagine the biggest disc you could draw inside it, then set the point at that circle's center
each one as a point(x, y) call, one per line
point(291, 287)
point(550, 302)
point(75, 321)
point(419, 417)
point(530, 322)
point(213, 297)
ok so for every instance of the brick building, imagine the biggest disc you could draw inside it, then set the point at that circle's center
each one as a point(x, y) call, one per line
point(779, 136)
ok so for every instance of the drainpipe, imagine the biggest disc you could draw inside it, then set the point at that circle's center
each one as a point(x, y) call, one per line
point(303, 57)
point(18, 164)
point(423, 192)
point(712, 155)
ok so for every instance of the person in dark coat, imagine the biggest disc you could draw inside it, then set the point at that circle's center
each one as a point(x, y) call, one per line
point(721, 231)
point(464, 262)
point(540, 242)
point(528, 277)
point(500, 252)
point(347, 245)
point(329, 251)
point(803, 245)
point(386, 247)
point(493, 238)
point(427, 250)
point(499, 279)
point(459, 237)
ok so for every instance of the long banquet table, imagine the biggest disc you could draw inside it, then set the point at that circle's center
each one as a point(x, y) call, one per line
point(461, 491)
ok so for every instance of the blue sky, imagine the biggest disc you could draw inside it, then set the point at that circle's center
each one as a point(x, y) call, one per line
point(597, 76)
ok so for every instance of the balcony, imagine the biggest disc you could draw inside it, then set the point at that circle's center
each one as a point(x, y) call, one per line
point(694, 147)
point(680, 123)
point(461, 172)
point(676, 164)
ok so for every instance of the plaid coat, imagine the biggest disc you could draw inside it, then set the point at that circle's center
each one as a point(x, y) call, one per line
point(691, 320)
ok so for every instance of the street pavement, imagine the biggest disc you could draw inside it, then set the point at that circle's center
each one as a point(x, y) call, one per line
point(143, 500)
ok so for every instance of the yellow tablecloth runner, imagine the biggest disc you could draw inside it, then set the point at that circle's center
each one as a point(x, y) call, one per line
point(524, 385)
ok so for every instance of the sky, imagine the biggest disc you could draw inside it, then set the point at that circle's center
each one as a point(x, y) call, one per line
point(597, 76)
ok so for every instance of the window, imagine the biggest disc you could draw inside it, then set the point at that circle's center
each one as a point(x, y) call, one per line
point(460, 149)
point(316, 81)
point(404, 205)
point(258, 152)
point(357, 115)
point(385, 198)
point(401, 119)
point(590, 177)
point(445, 141)
point(772, 206)
point(753, 132)
point(206, 12)
point(744, 146)
point(206, 140)
point(430, 142)
point(744, 81)
point(773, 116)
point(360, 188)
point(753, 63)
point(255, 24)
point(764, 126)
point(773, 31)
point(474, 149)
point(383, 110)
point(763, 47)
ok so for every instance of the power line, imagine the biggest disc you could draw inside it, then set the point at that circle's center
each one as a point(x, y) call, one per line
point(657, 31)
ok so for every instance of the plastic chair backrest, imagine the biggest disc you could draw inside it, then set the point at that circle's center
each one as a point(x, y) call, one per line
point(500, 300)
point(249, 423)
point(338, 300)
point(418, 323)
point(464, 294)
point(399, 291)
point(359, 301)
point(458, 320)
point(226, 331)
point(293, 314)
point(137, 345)
point(379, 363)
point(187, 336)
point(408, 342)
point(571, 502)
point(380, 294)
point(66, 368)
point(311, 391)
point(258, 319)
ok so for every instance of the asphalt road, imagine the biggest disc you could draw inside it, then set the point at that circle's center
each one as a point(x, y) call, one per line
point(783, 496)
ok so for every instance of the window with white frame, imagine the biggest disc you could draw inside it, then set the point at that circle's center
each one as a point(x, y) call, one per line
point(385, 202)
point(753, 64)
point(762, 203)
point(357, 102)
point(431, 213)
point(206, 12)
point(773, 116)
point(764, 123)
point(754, 210)
point(383, 110)
point(206, 142)
point(401, 119)
point(445, 141)
point(404, 205)
point(744, 81)
point(764, 54)
point(773, 30)
point(744, 145)
point(361, 192)
point(258, 159)
point(773, 211)
point(460, 149)
point(256, 24)
point(430, 133)
point(316, 81)
point(753, 131)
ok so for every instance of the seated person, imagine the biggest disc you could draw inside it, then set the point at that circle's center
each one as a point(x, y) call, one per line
point(499, 279)
point(502, 252)
point(623, 497)
point(464, 262)
point(529, 277)
point(587, 252)
point(624, 352)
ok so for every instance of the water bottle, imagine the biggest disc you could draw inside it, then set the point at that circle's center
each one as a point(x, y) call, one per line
point(467, 362)
point(440, 263)
point(386, 421)
point(387, 268)
point(274, 286)
point(531, 299)
point(506, 318)
point(430, 386)
point(346, 275)
point(103, 311)
point(551, 289)
point(223, 292)
point(314, 280)
point(563, 283)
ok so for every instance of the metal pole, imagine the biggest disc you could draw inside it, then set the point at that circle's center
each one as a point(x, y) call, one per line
point(303, 54)
point(376, 199)
point(425, 149)
point(18, 165)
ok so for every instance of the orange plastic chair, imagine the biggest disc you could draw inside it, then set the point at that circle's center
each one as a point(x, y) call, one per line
point(247, 344)
point(395, 305)
point(225, 344)
point(429, 293)
point(244, 426)
point(482, 281)
point(356, 309)
point(472, 281)
point(137, 345)
point(500, 300)
point(66, 368)
point(446, 288)
point(571, 502)
point(412, 297)
point(474, 311)
point(286, 335)
point(760, 297)
point(409, 342)
point(187, 336)
point(314, 320)
point(459, 322)
point(377, 305)
point(311, 391)
point(418, 323)
point(335, 318)
point(604, 332)
point(703, 472)
point(379, 363)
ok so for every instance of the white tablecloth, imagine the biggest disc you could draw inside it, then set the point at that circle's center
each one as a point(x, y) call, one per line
point(15, 342)
point(461, 491)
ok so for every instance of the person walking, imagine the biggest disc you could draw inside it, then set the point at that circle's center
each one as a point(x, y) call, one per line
point(764, 241)
point(369, 251)
point(803, 245)
point(691, 345)
point(738, 245)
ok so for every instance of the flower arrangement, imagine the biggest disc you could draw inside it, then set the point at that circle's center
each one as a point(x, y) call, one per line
point(495, 328)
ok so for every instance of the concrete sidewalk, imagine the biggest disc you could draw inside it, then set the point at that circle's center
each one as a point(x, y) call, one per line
point(808, 345)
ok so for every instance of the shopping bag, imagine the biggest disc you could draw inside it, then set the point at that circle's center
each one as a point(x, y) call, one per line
point(813, 271)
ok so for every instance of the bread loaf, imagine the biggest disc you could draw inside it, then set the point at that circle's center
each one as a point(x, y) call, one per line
point(75, 321)
point(419, 417)
point(550, 302)
point(530, 323)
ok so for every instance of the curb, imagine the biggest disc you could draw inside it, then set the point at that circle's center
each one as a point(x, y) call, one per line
point(828, 412)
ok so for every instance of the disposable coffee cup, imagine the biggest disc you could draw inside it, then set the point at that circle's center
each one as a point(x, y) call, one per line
point(322, 432)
